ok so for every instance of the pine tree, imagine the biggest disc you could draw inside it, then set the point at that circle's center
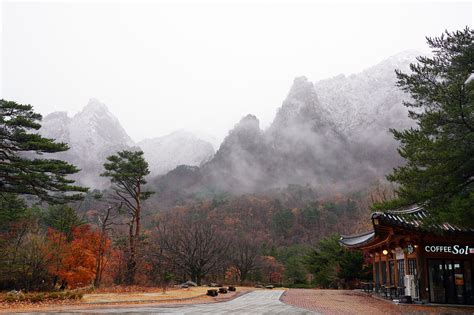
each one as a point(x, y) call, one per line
point(22, 171)
point(127, 171)
point(439, 151)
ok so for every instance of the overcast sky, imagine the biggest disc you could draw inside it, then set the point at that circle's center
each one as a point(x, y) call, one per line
point(160, 67)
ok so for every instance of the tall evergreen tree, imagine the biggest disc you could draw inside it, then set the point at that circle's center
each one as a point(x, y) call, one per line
point(12, 209)
point(62, 218)
point(439, 151)
point(127, 171)
point(21, 170)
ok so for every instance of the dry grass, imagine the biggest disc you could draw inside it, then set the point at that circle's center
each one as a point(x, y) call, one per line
point(126, 296)
point(151, 294)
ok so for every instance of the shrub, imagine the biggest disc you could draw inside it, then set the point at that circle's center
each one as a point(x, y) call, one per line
point(300, 286)
point(37, 297)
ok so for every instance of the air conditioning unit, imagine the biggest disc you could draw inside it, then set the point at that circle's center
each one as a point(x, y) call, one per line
point(410, 288)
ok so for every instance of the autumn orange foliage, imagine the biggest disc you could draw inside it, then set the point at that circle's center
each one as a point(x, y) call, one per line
point(75, 262)
point(272, 269)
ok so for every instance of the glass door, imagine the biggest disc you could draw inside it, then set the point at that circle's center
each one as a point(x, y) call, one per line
point(436, 277)
point(459, 281)
point(468, 282)
point(450, 281)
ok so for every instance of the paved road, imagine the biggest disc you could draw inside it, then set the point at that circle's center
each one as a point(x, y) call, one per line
point(257, 302)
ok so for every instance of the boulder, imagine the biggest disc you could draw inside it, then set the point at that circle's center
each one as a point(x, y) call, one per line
point(212, 292)
point(191, 283)
point(223, 290)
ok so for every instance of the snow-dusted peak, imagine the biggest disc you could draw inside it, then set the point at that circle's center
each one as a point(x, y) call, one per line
point(181, 147)
point(367, 98)
point(301, 107)
point(95, 105)
point(98, 125)
point(55, 125)
point(96, 111)
point(386, 68)
point(404, 56)
point(178, 135)
point(302, 92)
point(55, 116)
point(248, 122)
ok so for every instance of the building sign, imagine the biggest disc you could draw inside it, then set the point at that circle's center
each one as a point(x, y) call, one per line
point(454, 249)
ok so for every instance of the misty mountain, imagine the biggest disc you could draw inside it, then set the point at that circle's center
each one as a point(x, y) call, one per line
point(302, 146)
point(366, 105)
point(239, 164)
point(305, 140)
point(95, 133)
point(178, 148)
point(369, 99)
point(332, 135)
point(92, 134)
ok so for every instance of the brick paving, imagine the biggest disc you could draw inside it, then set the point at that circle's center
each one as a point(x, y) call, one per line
point(344, 302)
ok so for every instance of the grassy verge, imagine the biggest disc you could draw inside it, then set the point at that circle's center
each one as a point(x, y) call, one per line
point(39, 297)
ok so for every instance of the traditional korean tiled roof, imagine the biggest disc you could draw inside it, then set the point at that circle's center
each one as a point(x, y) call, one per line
point(410, 218)
point(415, 217)
point(357, 240)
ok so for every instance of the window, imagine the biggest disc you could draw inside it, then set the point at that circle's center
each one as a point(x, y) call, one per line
point(391, 266)
point(383, 266)
point(401, 272)
point(412, 266)
point(377, 273)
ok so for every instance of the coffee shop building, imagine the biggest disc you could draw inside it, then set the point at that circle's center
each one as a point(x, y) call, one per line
point(414, 259)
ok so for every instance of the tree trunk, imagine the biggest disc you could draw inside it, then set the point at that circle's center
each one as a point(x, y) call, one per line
point(131, 264)
point(243, 275)
point(138, 210)
point(134, 240)
point(194, 277)
point(100, 256)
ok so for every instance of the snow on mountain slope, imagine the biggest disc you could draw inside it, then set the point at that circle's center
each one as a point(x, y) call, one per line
point(95, 133)
point(178, 148)
point(369, 97)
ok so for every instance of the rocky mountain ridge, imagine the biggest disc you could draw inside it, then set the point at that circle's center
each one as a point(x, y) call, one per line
point(95, 133)
point(332, 134)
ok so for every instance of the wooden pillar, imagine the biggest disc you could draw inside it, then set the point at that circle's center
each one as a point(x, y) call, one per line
point(387, 269)
point(405, 263)
point(374, 278)
point(395, 270)
point(381, 271)
point(421, 272)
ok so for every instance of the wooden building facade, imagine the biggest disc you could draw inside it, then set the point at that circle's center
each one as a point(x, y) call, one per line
point(416, 258)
